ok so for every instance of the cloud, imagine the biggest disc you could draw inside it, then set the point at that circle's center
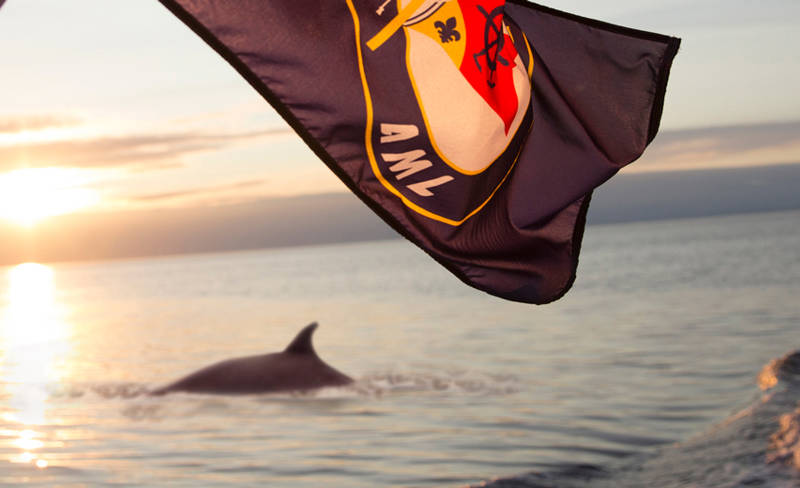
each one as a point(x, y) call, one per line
point(15, 125)
point(737, 138)
point(162, 150)
point(723, 147)
point(197, 192)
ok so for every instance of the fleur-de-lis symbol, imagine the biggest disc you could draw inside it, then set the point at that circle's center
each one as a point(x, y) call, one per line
point(447, 31)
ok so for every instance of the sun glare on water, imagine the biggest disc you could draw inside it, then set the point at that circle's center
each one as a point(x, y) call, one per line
point(35, 339)
point(29, 195)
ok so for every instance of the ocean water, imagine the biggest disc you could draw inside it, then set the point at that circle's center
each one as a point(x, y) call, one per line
point(645, 374)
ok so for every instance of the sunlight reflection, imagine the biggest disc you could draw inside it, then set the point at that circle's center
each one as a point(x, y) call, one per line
point(27, 440)
point(34, 339)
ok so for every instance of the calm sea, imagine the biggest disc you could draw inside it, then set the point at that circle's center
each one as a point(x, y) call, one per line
point(643, 375)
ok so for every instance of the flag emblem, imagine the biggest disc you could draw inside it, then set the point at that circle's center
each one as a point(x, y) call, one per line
point(425, 109)
point(448, 98)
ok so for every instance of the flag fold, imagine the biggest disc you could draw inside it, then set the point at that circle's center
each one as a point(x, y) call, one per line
point(477, 129)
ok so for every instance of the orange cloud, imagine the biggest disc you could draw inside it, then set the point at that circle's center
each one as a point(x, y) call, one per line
point(15, 125)
point(722, 147)
point(116, 151)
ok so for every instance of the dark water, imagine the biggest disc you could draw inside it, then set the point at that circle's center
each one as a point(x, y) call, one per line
point(757, 446)
point(646, 374)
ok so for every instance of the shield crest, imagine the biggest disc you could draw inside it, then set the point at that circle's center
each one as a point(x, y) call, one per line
point(448, 91)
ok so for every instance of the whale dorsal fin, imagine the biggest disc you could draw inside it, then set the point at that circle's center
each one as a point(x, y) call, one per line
point(302, 342)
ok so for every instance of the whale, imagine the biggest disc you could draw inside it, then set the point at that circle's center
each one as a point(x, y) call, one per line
point(296, 368)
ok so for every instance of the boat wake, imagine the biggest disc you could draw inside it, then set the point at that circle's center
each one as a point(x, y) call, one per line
point(758, 446)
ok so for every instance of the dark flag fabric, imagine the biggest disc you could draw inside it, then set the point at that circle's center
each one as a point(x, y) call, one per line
point(477, 129)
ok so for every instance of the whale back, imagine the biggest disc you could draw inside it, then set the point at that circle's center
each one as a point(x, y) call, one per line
point(295, 368)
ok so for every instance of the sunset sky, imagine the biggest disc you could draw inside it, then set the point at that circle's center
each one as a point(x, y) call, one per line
point(116, 106)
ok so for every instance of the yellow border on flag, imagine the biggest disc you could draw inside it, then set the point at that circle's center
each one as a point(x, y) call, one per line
point(371, 151)
point(394, 25)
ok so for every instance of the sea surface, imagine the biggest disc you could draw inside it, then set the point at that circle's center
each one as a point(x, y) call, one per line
point(661, 368)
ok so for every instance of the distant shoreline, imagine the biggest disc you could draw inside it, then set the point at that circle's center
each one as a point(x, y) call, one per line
point(334, 218)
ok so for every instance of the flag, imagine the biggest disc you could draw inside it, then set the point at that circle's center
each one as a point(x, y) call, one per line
point(477, 129)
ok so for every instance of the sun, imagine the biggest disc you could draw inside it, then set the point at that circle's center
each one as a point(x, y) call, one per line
point(29, 195)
